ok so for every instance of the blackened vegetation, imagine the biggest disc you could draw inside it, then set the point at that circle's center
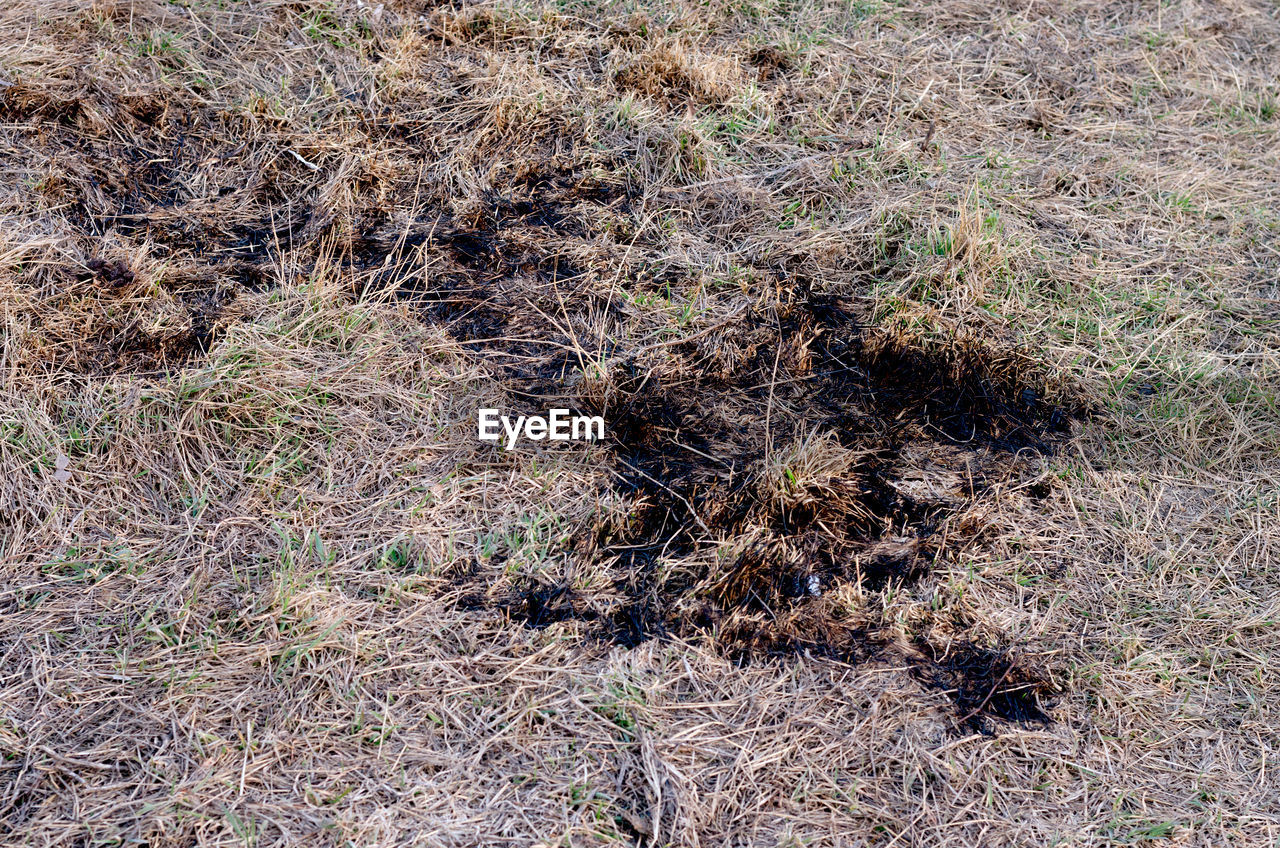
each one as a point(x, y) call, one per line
point(539, 606)
point(700, 478)
point(130, 169)
point(985, 682)
point(722, 537)
point(501, 277)
point(761, 461)
point(967, 403)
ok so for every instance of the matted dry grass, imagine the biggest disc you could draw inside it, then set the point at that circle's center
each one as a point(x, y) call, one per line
point(939, 349)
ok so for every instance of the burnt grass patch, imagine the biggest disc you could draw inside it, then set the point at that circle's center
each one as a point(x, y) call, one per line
point(985, 682)
point(698, 485)
point(761, 465)
point(500, 276)
point(205, 194)
point(760, 460)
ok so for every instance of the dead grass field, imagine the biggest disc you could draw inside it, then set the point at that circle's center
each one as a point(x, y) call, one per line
point(939, 347)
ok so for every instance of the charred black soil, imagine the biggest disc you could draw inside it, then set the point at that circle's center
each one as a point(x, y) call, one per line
point(986, 682)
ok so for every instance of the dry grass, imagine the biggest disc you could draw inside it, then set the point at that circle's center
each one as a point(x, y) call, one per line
point(261, 261)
